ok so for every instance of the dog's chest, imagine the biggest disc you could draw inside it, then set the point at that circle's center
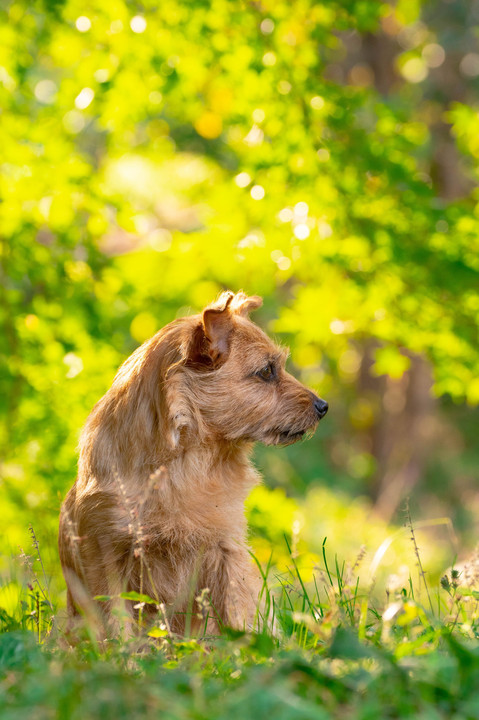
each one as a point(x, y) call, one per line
point(207, 500)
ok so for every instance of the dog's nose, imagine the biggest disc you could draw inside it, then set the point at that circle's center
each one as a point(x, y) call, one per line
point(321, 407)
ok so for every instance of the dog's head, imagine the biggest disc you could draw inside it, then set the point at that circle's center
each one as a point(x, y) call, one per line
point(230, 382)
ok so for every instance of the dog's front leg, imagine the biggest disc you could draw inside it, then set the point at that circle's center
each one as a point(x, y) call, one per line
point(234, 585)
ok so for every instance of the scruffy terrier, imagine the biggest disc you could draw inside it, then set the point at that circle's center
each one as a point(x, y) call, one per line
point(164, 469)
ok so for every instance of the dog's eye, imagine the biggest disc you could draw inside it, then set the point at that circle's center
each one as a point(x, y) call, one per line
point(266, 373)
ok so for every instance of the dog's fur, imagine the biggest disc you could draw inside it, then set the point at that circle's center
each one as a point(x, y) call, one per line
point(164, 467)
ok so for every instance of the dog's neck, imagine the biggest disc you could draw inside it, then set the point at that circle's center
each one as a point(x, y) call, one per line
point(225, 462)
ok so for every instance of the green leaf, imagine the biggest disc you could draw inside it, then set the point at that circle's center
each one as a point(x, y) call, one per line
point(263, 644)
point(138, 597)
point(157, 632)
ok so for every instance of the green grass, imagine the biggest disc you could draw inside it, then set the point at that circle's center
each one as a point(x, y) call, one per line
point(337, 650)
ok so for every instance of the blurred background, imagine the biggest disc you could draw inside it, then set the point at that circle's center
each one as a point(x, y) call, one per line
point(322, 155)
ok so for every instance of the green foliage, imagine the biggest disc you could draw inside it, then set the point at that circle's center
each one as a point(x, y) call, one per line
point(153, 155)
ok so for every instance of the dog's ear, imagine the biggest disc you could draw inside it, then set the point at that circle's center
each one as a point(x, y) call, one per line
point(209, 345)
point(242, 305)
point(217, 328)
point(218, 323)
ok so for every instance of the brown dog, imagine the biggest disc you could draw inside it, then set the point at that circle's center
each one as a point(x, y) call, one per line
point(164, 468)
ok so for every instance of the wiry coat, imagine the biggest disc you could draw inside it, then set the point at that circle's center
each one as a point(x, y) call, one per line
point(164, 470)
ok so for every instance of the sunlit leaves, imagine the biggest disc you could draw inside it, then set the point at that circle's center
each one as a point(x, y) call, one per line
point(389, 361)
point(153, 155)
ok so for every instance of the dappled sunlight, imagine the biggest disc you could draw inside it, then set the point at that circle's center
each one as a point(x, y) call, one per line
point(324, 156)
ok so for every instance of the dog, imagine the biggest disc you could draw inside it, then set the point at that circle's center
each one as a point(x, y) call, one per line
point(164, 470)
